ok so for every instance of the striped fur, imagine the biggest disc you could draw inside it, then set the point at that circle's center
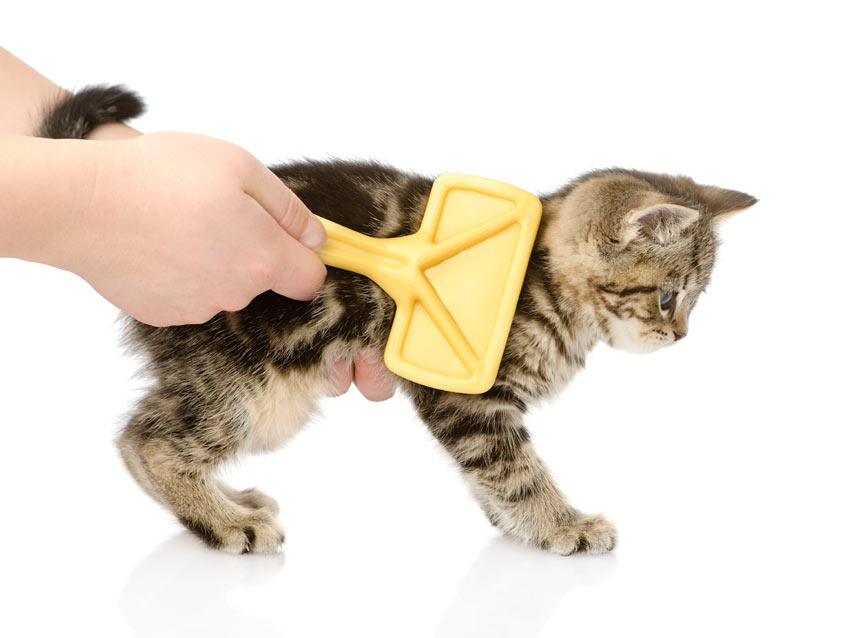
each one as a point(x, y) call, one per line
point(247, 381)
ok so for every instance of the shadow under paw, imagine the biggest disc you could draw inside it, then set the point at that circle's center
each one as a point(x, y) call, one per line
point(592, 534)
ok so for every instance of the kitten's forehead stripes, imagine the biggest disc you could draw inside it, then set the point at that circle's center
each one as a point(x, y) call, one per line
point(625, 292)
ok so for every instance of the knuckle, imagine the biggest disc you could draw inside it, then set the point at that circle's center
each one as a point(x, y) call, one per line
point(226, 303)
point(235, 299)
point(262, 272)
point(240, 160)
point(234, 304)
point(184, 317)
point(203, 316)
point(292, 218)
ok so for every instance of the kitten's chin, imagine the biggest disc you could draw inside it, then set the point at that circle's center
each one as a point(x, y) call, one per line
point(622, 338)
point(635, 347)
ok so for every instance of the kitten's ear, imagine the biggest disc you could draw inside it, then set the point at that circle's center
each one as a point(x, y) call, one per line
point(722, 203)
point(661, 223)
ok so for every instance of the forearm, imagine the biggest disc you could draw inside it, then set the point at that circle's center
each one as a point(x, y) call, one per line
point(112, 131)
point(45, 188)
point(27, 95)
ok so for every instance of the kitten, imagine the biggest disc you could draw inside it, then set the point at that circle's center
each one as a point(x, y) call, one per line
point(621, 257)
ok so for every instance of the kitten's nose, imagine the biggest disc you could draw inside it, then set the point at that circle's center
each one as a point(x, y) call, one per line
point(679, 335)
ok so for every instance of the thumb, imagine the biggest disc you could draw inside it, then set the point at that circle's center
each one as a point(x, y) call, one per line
point(299, 273)
point(289, 211)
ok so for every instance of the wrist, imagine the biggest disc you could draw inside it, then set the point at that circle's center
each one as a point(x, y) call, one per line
point(112, 131)
point(47, 187)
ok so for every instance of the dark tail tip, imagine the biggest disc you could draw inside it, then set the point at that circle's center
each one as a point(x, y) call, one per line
point(76, 115)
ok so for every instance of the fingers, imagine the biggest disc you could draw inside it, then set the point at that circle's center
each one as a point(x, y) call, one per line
point(284, 264)
point(289, 211)
point(371, 375)
point(341, 376)
point(299, 273)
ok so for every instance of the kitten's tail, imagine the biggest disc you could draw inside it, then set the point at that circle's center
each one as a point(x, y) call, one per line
point(77, 114)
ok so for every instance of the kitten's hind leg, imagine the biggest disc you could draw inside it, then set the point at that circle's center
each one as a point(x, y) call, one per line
point(177, 465)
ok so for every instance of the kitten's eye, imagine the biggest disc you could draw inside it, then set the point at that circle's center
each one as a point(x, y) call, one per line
point(666, 299)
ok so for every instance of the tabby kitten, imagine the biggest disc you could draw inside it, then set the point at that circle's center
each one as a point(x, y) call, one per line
point(621, 257)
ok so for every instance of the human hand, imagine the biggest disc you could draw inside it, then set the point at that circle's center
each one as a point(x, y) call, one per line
point(210, 205)
point(178, 227)
point(149, 227)
point(369, 374)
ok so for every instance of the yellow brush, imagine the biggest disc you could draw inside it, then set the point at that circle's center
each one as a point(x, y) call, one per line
point(455, 282)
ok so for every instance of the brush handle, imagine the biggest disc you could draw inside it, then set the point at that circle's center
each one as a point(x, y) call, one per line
point(384, 261)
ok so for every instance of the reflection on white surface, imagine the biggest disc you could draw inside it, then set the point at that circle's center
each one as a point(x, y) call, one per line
point(181, 590)
point(184, 589)
point(513, 590)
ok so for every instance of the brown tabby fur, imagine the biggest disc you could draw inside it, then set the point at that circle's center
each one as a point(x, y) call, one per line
point(610, 242)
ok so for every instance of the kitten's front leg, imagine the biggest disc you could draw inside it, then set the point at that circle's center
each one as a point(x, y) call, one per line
point(485, 435)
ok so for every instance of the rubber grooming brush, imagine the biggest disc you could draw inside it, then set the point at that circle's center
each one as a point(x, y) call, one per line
point(455, 282)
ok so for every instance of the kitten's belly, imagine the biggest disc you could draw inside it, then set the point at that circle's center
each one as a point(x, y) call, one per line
point(278, 409)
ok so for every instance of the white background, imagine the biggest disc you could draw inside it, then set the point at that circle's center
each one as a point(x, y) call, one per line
point(723, 460)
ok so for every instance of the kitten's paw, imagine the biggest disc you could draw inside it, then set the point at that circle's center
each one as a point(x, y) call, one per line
point(592, 534)
point(256, 532)
point(254, 499)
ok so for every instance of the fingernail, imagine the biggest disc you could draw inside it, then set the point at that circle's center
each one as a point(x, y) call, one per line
point(314, 235)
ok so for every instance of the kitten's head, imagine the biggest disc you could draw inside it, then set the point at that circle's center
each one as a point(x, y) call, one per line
point(634, 250)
